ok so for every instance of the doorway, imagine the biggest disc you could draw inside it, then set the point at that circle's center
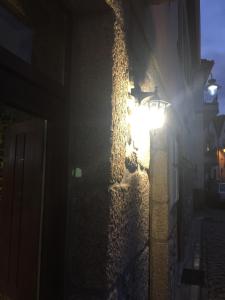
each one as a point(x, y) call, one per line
point(22, 169)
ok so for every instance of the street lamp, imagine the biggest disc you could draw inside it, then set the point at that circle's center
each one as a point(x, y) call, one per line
point(212, 86)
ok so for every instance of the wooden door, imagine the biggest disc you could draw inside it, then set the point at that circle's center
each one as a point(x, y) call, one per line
point(20, 210)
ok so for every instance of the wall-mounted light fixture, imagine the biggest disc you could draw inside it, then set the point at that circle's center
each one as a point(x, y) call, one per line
point(212, 86)
point(146, 112)
point(151, 106)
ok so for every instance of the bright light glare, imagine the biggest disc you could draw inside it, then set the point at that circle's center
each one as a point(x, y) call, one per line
point(156, 116)
point(139, 125)
point(212, 89)
point(141, 119)
point(146, 117)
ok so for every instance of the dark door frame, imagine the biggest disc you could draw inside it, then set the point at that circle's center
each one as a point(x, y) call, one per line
point(26, 89)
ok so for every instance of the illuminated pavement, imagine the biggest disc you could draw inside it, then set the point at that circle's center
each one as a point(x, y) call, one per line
point(213, 240)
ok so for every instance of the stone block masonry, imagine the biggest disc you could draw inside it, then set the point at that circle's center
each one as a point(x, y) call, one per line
point(159, 243)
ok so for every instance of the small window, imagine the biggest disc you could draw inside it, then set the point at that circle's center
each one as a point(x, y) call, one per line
point(15, 36)
point(222, 187)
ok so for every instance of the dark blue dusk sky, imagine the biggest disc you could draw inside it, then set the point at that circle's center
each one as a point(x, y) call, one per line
point(213, 41)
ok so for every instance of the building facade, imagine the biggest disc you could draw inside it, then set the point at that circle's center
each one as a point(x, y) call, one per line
point(116, 200)
point(214, 150)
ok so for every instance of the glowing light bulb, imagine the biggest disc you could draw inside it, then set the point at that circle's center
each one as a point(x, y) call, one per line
point(141, 118)
point(156, 117)
point(212, 89)
point(138, 121)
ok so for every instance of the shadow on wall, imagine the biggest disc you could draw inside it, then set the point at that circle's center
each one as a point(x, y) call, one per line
point(138, 17)
point(128, 249)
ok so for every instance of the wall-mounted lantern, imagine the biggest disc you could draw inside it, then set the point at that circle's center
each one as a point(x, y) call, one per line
point(146, 112)
point(152, 107)
point(212, 86)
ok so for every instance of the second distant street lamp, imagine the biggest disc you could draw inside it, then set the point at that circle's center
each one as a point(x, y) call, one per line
point(212, 86)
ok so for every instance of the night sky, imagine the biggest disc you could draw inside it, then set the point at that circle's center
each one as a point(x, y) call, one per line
point(213, 41)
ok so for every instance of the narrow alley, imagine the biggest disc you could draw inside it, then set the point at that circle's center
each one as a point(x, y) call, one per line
point(213, 242)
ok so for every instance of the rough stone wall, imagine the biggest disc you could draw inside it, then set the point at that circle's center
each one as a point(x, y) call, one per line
point(128, 248)
point(108, 250)
point(120, 83)
point(128, 254)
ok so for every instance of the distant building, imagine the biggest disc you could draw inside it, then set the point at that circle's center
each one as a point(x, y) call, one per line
point(215, 150)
